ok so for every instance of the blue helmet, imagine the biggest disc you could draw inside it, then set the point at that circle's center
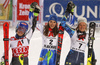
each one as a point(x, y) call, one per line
point(22, 26)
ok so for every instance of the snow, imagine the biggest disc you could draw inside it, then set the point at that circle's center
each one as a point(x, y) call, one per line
point(36, 45)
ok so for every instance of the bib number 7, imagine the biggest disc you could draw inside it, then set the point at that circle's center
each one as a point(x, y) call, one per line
point(80, 45)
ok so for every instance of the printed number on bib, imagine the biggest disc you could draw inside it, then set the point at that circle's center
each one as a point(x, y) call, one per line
point(51, 42)
point(80, 45)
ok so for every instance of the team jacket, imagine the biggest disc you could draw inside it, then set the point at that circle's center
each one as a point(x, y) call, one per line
point(76, 43)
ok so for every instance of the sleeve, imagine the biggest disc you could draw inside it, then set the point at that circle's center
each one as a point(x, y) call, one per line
point(2, 59)
point(40, 26)
point(32, 23)
point(69, 30)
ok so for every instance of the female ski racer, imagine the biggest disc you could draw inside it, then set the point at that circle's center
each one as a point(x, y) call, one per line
point(20, 42)
point(49, 42)
point(79, 38)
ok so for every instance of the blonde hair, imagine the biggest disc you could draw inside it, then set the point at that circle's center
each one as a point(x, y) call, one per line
point(77, 28)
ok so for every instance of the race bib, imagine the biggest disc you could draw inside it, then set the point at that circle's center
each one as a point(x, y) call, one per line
point(79, 45)
point(50, 42)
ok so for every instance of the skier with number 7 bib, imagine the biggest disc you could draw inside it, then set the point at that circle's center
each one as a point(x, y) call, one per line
point(20, 42)
point(79, 37)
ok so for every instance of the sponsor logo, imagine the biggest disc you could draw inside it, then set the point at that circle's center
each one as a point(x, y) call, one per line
point(24, 9)
point(50, 46)
point(90, 11)
point(77, 49)
point(53, 10)
point(91, 41)
point(24, 23)
point(20, 50)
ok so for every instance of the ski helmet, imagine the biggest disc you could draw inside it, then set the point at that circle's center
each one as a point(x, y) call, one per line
point(22, 26)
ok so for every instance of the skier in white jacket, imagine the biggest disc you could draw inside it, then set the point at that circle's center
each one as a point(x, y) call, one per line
point(20, 42)
point(49, 41)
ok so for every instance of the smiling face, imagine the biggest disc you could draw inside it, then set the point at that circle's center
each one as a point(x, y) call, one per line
point(52, 24)
point(20, 33)
point(82, 26)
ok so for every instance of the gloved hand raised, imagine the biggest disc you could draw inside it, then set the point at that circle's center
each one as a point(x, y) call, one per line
point(70, 7)
point(34, 7)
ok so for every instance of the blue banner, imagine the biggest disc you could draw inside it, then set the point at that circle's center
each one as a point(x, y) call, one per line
point(86, 8)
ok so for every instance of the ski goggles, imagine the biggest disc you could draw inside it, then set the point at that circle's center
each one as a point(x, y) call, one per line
point(22, 29)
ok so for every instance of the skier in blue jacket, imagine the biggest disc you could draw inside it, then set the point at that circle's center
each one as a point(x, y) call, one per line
point(78, 36)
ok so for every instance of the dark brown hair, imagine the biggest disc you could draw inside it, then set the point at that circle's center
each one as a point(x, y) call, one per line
point(46, 30)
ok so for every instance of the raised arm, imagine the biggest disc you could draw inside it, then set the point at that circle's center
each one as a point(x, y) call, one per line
point(33, 13)
point(69, 9)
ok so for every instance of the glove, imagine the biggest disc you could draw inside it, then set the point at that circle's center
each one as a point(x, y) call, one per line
point(70, 7)
point(34, 7)
point(2, 61)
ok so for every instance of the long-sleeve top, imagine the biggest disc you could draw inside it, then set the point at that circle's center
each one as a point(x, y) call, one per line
point(76, 43)
point(21, 46)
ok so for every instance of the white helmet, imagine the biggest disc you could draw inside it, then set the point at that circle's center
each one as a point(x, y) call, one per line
point(82, 19)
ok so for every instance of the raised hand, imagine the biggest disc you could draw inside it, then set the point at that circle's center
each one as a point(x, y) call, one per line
point(34, 7)
point(70, 7)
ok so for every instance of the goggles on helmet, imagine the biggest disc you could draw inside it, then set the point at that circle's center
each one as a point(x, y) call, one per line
point(22, 29)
